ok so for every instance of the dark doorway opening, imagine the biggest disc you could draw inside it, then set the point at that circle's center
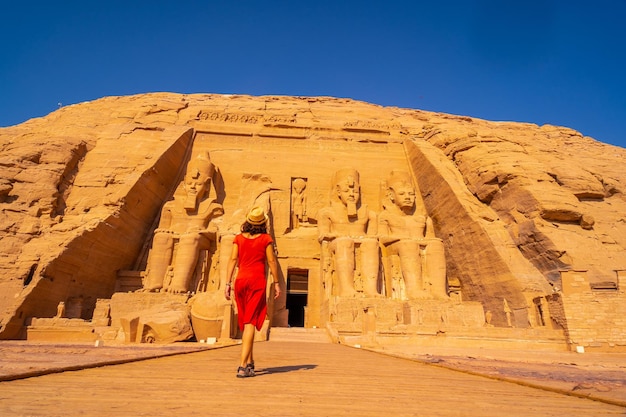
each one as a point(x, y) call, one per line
point(297, 294)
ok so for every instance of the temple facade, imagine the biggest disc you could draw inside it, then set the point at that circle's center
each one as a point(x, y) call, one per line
point(390, 226)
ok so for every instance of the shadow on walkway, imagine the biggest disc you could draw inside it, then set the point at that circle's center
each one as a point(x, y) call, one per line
point(281, 369)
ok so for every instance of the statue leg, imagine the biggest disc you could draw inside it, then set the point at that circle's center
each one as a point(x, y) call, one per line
point(344, 266)
point(226, 247)
point(159, 259)
point(326, 255)
point(435, 268)
point(185, 262)
point(411, 267)
point(370, 266)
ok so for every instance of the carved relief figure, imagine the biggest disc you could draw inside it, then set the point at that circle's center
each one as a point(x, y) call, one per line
point(185, 229)
point(298, 202)
point(60, 310)
point(409, 234)
point(347, 227)
point(507, 313)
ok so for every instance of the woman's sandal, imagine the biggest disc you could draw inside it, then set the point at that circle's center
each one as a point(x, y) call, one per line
point(242, 372)
point(250, 369)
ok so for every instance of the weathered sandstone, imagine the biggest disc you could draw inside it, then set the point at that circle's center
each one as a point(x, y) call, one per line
point(532, 218)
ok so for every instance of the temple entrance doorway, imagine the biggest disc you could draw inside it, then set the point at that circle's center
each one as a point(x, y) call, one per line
point(297, 295)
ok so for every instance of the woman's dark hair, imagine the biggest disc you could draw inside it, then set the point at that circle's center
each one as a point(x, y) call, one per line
point(253, 229)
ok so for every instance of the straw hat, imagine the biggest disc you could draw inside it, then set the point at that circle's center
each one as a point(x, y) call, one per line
point(256, 216)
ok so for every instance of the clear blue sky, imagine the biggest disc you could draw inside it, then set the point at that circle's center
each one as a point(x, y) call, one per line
point(555, 62)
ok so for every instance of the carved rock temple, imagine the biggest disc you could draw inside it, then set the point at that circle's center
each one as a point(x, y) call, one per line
point(390, 225)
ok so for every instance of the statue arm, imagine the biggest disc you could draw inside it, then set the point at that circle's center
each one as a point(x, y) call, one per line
point(372, 224)
point(385, 236)
point(324, 227)
point(230, 268)
point(165, 222)
point(211, 230)
point(429, 230)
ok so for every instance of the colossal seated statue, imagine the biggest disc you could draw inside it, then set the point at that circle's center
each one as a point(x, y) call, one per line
point(185, 228)
point(345, 228)
point(408, 233)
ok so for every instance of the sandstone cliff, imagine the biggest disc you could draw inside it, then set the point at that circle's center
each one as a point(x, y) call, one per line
point(515, 204)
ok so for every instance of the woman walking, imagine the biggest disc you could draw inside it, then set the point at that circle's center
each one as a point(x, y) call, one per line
point(252, 249)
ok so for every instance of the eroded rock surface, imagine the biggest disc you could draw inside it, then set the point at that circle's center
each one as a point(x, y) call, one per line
point(515, 205)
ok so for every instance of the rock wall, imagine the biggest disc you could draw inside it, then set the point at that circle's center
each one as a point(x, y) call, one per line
point(594, 313)
point(515, 204)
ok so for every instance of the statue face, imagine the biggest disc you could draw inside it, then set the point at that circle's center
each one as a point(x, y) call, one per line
point(348, 191)
point(298, 186)
point(195, 185)
point(196, 182)
point(403, 196)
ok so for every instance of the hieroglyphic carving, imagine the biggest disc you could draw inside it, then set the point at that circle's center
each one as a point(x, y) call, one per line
point(368, 125)
point(227, 117)
point(282, 120)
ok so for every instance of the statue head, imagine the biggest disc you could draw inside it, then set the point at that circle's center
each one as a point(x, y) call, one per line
point(198, 179)
point(298, 185)
point(400, 190)
point(347, 189)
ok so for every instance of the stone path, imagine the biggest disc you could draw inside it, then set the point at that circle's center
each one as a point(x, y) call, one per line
point(599, 376)
point(20, 359)
point(294, 379)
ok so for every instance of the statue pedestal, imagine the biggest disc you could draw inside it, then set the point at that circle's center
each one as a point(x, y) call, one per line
point(352, 312)
point(151, 317)
point(443, 313)
point(374, 317)
point(127, 303)
point(211, 316)
point(61, 330)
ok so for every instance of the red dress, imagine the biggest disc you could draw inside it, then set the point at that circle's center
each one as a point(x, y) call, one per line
point(250, 283)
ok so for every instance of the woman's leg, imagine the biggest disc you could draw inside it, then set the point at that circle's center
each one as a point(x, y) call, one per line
point(251, 356)
point(247, 344)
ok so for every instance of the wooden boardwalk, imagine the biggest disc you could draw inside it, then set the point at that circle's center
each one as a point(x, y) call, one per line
point(293, 379)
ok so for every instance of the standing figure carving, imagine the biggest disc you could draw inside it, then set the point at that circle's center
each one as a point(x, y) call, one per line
point(298, 202)
point(185, 229)
point(348, 229)
point(408, 233)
